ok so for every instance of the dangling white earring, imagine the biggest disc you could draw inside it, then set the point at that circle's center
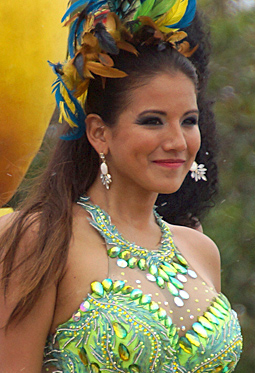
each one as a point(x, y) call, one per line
point(105, 177)
point(198, 171)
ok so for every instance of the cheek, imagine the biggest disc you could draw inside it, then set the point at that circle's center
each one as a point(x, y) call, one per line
point(195, 141)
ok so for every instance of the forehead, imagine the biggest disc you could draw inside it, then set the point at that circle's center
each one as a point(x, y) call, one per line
point(167, 91)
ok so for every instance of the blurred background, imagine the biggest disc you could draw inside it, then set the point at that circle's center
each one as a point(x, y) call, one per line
point(231, 223)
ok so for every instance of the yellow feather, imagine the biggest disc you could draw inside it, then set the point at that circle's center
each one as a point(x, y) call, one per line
point(173, 16)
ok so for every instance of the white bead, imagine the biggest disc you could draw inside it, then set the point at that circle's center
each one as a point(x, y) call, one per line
point(193, 166)
point(104, 168)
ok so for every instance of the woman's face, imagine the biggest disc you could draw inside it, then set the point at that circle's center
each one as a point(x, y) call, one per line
point(156, 137)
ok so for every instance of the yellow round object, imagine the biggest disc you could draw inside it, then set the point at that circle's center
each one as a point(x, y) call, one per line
point(30, 34)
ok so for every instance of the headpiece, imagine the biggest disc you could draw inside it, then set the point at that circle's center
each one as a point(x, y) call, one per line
point(99, 29)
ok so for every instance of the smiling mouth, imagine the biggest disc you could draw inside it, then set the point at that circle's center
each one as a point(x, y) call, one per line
point(170, 163)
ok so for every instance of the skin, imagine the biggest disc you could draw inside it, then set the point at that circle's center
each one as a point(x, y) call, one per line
point(136, 155)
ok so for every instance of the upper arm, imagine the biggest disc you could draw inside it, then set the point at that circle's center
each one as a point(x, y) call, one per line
point(22, 343)
point(201, 252)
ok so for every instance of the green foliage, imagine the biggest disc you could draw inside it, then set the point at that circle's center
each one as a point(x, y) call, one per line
point(232, 222)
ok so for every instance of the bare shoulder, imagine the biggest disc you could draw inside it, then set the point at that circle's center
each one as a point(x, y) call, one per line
point(200, 251)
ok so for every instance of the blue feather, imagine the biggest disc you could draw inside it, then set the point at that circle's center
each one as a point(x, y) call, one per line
point(73, 7)
point(79, 117)
point(96, 5)
point(188, 16)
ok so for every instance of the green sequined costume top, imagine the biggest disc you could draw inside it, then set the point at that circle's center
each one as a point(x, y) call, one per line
point(152, 314)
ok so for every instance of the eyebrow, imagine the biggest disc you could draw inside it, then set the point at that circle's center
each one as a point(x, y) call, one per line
point(195, 111)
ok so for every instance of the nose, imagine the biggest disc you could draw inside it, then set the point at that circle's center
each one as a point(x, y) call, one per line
point(174, 138)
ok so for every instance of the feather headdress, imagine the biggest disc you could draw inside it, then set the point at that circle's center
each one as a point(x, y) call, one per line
point(99, 29)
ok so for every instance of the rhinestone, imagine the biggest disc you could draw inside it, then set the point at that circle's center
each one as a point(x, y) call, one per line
point(206, 324)
point(178, 301)
point(181, 259)
point(118, 285)
point(223, 304)
point(97, 288)
point(163, 274)
point(85, 306)
point(122, 263)
point(94, 368)
point(220, 308)
point(154, 306)
point(125, 255)
point(176, 283)
point(160, 282)
point(123, 352)
point(180, 268)
point(170, 271)
point(161, 314)
point(107, 284)
point(193, 338)
point(192, 274)
point(200, 330)
point(183, 294)
point(142, 264)
point(151, 277)
point(136, 293)
point(185, 345)
point(145, 299)
point(153, 270)
point(225, 300)
point(132, 262)
point(138, 281)
point(181, 278)
point(127, 289)
point(119, 330)
point(134, 368)
point(76, 316)
point(83, 356)
point(173, 290)
point(216, 312)
point(113, 252)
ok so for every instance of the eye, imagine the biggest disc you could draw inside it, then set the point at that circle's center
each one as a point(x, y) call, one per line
point(190, 121)
point(150, 121)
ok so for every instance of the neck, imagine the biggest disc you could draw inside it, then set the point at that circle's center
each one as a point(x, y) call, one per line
point(129, 205)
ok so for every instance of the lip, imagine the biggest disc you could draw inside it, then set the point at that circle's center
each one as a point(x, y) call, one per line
point(170, 163)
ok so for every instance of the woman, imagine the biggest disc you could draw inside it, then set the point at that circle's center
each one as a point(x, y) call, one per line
point(95, 270)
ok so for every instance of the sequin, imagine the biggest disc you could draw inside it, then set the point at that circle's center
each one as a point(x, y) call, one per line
point(178, 301)
point(170, 271)
point(216, 312)
point(97, 288)
point(211, 318)
point(220, 308)
point(107, 284)
point(181, 259)
point(113, 252)
point(119, 330)
point(163, 274)
point(127, 289)
point(123, 352)
point(151, 277)
point(161, 314)
point(192, 274)
point(77, 316)
point(173, 290)
point(200, 330)
point(122, 263)
point(183, 294)
point(168, 321)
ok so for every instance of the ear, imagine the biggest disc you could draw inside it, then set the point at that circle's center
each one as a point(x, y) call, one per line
point(96, 133)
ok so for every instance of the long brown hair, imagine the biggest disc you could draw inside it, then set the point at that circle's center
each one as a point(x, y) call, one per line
point(71, 171)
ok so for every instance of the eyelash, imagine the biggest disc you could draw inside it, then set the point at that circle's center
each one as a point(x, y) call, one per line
point(156, 121)
point(150, 121)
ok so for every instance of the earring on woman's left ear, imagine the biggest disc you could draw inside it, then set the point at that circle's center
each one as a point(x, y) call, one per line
point(105, 176)
point(198, 171)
